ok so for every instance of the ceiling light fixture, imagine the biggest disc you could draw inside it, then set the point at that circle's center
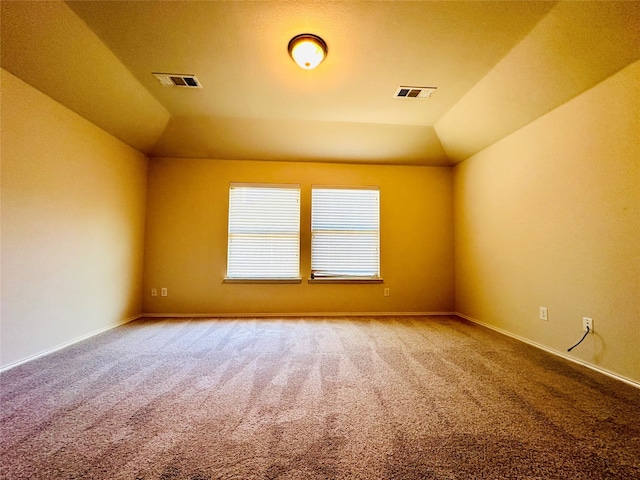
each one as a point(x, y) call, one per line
point(307, 50)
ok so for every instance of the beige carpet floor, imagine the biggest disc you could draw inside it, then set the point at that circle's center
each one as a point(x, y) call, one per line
point(347, 398)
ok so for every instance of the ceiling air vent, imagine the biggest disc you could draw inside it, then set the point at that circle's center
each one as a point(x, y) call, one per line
point(414, 92)
point(177, 80)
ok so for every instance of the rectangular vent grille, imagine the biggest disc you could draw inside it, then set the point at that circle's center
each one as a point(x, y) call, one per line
point(177, 80)
point(414, 92)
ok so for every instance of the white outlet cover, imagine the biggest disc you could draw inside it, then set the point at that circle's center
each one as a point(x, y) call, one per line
point(544, 313)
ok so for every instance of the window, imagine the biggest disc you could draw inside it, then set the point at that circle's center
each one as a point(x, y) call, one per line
point(345, 232)
point(264, 232)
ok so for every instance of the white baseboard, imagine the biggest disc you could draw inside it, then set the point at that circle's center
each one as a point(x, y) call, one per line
point(69, 343)
point(325, 314)
point(552, 351)
point(294, 315)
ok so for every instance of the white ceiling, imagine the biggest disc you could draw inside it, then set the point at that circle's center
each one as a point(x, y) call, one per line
point(497, 66)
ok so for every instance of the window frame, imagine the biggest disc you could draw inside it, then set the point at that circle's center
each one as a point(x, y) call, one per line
point(259, 277)
point(346, 278)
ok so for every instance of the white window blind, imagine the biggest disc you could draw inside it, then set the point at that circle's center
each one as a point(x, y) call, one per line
point(345, 232)
point(264, 231)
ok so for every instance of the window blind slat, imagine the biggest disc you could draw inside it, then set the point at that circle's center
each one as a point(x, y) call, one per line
point(264, 232)
point(345, 232)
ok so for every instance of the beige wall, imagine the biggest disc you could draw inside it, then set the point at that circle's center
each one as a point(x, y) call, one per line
point(73, 200)
point(550, 216)
point(186, 241)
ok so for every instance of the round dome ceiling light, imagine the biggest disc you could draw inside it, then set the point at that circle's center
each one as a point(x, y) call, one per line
point(307, 50)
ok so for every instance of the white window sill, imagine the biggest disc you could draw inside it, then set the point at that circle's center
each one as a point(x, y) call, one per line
point(322, 280)
point(262, 280)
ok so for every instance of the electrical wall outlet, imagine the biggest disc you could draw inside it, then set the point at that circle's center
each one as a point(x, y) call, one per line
point(387, 291)
point(154, 292)
point(544, 314)
point(163, 292)
point(587, 322)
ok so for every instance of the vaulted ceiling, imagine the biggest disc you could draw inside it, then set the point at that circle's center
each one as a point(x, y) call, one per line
point(497, 66)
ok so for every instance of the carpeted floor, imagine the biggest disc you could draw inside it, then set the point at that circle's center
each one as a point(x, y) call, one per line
point(352, 398)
